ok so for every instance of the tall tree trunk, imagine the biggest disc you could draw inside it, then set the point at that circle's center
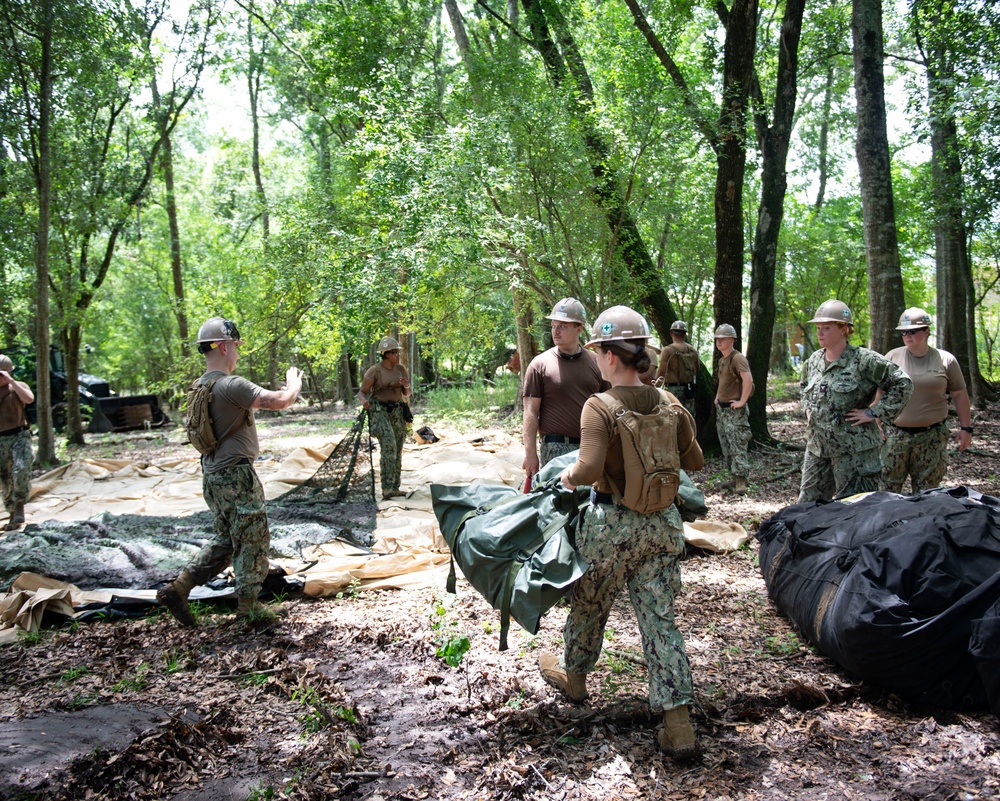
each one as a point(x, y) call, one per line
point(606, 189)
point(731, 156)
point(773, 143)
point(46, 454)
point(180, 306)
point(956, 302)
point(885, 281)
point(824, 140)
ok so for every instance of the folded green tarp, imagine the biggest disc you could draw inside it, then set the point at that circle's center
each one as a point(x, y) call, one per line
point(515, 549)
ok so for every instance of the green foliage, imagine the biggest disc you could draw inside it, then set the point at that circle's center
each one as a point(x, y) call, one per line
point(137, 682)
point(452, 649)
point(72, 674)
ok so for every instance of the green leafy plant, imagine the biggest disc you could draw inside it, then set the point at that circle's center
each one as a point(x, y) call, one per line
point(784, 645)
point(261, 792)
point(453, 649)
point(74, 673)
point(135, 683)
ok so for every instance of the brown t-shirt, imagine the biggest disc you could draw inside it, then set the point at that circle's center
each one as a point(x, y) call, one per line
point(11, 409)
point(232, 408)
point(934, 374)
point(600, 444)
point(678, 364)
point(733, 371)
point(385, 384)
point(563, 385)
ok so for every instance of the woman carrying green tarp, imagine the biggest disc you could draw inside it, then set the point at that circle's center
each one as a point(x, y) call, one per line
point(626, 548)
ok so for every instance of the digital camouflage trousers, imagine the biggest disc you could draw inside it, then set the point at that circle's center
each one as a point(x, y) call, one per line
point(826, 478)
point(733, 426)
point(389, 427)
point(552, 450)
point(242, 537)
point(922, 456)
point(640, 552)
point(16, 458)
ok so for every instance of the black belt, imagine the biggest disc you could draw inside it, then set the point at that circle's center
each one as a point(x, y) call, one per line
point(919, 429)
point(603, 498)
point(725, 404)
point(560, 438)
point(11, 432)
point(390, 405)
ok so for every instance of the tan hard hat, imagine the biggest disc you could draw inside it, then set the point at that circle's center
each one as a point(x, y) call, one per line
point(725, 330)
point(617, 324)
point(6, 364)
point(568, 310)
point(388, 343)
point(679, 325)
point(833, 311)
point(218, 329)
point(912, 319)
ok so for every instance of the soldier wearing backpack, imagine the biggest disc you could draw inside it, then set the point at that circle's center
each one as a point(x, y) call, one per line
point(679, 362)
point(631, 533)
point(230, 484)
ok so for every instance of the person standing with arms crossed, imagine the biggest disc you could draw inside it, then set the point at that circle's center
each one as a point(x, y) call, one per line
point(232, 490)
point(732, 419)
point(556, 385)
point(15, 444)
point(916, 442)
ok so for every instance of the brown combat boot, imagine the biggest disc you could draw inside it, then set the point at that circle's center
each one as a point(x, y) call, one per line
point(572, 685)
point(676, 738)
point(16, 518)
point(175, 597)
point(740, 485)
point(252, 610)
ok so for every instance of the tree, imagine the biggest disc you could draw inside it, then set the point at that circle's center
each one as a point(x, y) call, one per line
point(872, 146)
point(28, 32)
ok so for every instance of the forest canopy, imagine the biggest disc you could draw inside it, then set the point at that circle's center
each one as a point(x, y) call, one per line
point(328, 173)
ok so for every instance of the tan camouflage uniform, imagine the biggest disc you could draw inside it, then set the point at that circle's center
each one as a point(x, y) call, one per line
point(242, 536)
point(841, 458)
point(388, 426)
point(642, 552)
point(923, 456)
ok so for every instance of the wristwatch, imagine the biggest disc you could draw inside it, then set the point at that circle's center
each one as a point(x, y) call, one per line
point(965, 428)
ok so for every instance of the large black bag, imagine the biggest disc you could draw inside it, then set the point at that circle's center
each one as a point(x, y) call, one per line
point(515, 549)
point(903, 591)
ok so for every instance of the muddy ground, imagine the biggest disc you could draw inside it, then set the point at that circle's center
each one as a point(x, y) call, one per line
point(351, 697)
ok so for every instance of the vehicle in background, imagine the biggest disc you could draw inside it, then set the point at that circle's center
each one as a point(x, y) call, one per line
point(105, 410)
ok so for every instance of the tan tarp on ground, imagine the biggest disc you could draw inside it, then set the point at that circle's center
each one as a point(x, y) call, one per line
point(409, 549)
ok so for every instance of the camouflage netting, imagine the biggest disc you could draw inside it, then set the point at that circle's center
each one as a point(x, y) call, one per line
point(137, 551)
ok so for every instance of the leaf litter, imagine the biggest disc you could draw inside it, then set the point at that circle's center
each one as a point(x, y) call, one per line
point(347, 698)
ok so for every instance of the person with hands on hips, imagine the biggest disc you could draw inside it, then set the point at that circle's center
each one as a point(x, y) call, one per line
point(383, 389)
point(916, 442)
point(16, 456)
point(839, 384)
point(732, 417)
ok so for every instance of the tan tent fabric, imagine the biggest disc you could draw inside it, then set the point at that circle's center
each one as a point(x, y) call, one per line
point(409, 549)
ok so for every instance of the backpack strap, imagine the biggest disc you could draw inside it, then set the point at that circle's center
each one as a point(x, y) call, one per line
point(210, 385)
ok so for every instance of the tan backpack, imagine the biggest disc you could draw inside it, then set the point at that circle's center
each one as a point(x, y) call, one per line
point(687, 361)
point(198, 420)
point(649, 446)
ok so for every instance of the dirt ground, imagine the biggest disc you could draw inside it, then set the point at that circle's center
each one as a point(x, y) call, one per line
point(351, 697)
